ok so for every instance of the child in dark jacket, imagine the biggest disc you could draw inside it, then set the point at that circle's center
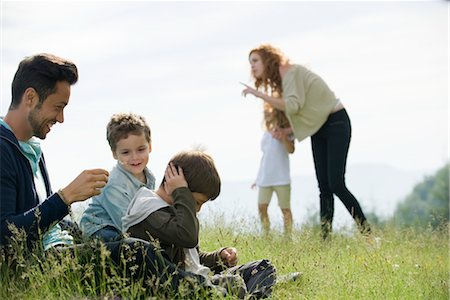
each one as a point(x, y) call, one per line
point(167, 216)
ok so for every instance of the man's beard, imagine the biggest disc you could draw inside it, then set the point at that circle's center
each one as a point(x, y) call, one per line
point(35, 123)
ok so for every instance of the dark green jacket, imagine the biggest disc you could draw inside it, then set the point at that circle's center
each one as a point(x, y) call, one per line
point(174, 228)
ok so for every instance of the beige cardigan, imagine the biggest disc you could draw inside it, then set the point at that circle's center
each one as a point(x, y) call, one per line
point(309, 101)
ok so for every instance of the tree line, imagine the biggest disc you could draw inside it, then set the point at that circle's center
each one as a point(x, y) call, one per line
point(427, 204)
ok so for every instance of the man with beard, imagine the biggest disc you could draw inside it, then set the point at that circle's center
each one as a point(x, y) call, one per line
point(40, 92)
point(30, 212)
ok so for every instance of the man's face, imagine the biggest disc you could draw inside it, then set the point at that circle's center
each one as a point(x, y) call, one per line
point(44, 115)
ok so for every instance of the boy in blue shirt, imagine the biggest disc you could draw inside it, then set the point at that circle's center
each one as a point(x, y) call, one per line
point(129, 137)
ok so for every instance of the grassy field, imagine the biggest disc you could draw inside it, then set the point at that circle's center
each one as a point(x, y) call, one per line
point(398, 264)
point(406, 264)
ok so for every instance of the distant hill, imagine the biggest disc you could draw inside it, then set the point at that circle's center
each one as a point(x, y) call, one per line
point(377, 187)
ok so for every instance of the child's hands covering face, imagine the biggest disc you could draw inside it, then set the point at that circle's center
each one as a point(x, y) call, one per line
point(174, 179)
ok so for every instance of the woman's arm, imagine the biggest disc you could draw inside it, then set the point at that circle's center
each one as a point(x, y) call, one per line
point(278, 103)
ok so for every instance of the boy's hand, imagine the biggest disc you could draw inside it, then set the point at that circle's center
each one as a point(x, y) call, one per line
point(174, 179)
point(229, 256)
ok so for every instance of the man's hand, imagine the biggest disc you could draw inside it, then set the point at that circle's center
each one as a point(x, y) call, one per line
point(174, 179)
point(229, 256)
point(86, 185)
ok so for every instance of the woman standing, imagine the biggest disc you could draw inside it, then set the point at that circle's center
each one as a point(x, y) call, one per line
point(312, 110)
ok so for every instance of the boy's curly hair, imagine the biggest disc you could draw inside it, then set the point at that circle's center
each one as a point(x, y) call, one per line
point(123, 124)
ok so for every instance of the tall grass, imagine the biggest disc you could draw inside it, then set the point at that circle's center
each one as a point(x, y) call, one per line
point(398, 264)
point(390, 264)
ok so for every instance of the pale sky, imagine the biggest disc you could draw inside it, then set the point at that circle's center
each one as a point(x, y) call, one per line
point(179, 63)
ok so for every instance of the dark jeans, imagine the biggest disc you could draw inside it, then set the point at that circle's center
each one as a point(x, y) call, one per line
point(330, 148)
point(151, 262)
point(136, 259)
point(108, 234)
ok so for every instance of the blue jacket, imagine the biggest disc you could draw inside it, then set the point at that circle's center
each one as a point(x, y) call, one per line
point(108, 208)
point(19, 202)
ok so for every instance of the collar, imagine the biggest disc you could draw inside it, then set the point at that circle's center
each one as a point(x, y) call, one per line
point(31, 148)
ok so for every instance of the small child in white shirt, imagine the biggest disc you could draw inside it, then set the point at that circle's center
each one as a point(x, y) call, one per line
point(274, 170)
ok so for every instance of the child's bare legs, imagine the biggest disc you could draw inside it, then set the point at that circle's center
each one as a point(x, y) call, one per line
point(284, 201)
point(264, 196)
point(287, 218)
point(264, 217)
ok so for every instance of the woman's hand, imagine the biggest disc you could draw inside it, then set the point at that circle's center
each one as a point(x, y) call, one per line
point(278, 103)
point(249, 90)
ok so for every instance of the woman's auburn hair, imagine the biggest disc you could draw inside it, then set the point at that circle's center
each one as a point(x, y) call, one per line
point(274, 118)
point(271, 58)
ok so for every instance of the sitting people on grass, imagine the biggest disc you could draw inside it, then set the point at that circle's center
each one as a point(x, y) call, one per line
point(168, 218)
point(129, 137)
point(29, 208)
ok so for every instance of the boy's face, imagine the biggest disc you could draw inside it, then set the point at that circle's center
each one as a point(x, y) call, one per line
point(132, 153)
point(200, 199)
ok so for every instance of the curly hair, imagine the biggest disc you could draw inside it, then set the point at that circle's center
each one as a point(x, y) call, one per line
point(123, 124)
point(271, 58)
point(274, 117)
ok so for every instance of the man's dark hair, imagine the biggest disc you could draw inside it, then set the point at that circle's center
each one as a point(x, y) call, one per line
point(41, 72)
